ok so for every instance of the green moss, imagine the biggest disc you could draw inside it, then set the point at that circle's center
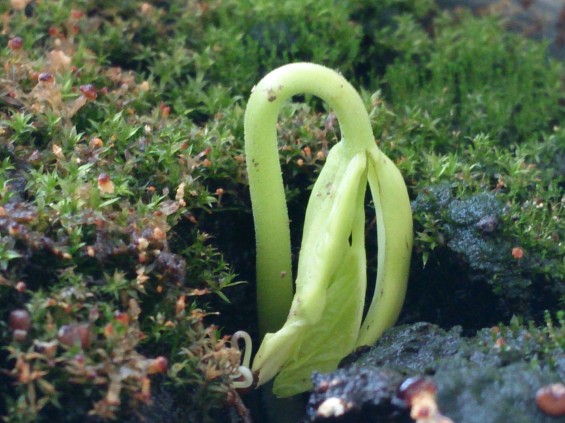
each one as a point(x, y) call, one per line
point(93, 189)
point(478, 78)
point(475, 110)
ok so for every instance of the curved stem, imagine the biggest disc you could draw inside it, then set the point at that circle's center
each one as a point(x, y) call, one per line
point(243, 378)
point(274, 274)
point(242, 335)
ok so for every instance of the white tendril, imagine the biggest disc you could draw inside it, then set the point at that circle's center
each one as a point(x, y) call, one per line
point(243, 371)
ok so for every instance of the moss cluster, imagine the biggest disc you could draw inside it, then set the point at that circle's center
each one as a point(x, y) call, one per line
point(97, 172)
point(124, 192)
point(476, 125)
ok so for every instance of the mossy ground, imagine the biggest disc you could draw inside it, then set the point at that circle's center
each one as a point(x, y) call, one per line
point(125, 215)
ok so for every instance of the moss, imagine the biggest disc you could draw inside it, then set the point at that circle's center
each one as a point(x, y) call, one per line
point(93, 188)
point(471, 115)
point(479, 80)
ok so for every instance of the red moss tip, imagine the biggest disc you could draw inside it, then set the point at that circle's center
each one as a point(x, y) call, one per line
point(76, 14)
point(46, 77)
point(414, 386)
point(53, 31)
point(103, 178)
point(96, 143)
point(15, 43)
point(74, 334)
point(122, 318)
point(550, 399)
point(165, 110)
point(158, 365)
point(88, 91)
point(105, 183)
point(19, 320)
point(517, 253)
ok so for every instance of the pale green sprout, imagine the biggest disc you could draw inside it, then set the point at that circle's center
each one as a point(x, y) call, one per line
point(325, 322)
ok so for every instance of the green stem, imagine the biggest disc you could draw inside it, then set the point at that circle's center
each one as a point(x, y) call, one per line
point(274, 274)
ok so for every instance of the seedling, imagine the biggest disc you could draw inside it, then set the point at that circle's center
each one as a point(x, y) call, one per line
point(325, 319)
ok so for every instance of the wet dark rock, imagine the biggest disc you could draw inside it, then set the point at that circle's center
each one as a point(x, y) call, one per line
point(489, 378)
point(465, 220)
point(487, 224)
point(412, 349)
point(168, 406)
point(433, 197)
point(356, 394)
point(472, 393)
point(474, 264)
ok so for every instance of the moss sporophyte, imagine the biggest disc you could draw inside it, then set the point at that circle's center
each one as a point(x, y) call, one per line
point(325, 322)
